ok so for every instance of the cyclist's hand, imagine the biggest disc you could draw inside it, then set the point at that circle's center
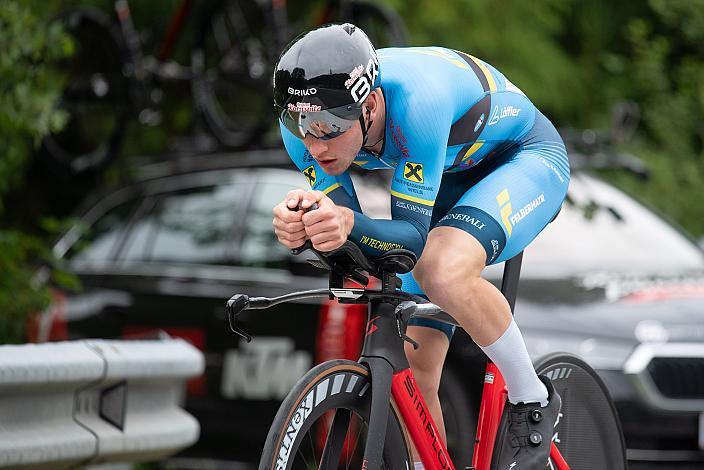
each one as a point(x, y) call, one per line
point(288, 226)
point(329, 225)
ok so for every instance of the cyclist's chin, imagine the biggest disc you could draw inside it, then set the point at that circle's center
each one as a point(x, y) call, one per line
point(335, 167)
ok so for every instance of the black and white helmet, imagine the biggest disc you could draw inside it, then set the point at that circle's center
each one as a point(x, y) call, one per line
point(322, 79)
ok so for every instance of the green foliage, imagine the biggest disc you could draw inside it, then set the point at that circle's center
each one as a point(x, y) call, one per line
point(20, 294)
point(24, 285)
point(29, 86)
point(667, 66)
point(28, 90)
point(526, 51)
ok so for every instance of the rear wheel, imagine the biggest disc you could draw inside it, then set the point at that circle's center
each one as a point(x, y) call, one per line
point(95, 98)
point(589, 432)
point(232, 71)
point(336, 392)
point(458, 417)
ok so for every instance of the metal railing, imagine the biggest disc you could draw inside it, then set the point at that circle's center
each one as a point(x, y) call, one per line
point(91, 401)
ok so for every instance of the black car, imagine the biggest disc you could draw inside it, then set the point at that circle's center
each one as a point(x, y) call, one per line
point(609, 280)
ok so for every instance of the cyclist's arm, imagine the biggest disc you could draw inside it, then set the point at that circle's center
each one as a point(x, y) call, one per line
point(415, 185)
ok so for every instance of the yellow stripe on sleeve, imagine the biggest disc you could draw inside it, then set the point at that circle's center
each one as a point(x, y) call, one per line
point(331, 188)
point(425, 202)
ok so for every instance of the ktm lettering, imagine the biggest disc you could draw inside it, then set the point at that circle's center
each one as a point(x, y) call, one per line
point(265, 369)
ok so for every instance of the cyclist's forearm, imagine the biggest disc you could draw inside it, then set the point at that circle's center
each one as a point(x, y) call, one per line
point(377, 236)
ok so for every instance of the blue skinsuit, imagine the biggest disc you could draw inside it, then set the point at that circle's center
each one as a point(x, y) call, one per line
point(468, 150)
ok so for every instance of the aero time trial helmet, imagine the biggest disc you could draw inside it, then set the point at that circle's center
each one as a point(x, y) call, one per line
point(322, 79)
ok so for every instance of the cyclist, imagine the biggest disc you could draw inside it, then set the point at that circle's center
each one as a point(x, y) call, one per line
point(478, 172)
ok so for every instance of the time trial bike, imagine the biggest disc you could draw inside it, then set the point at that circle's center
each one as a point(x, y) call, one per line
point(370, 414)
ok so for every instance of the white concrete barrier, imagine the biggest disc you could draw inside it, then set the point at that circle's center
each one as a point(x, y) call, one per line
point(92, 401)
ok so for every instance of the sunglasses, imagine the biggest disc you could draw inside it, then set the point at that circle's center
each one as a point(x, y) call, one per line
point(305, 118)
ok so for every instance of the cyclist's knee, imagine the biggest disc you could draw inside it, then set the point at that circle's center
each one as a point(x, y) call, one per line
point(449, 258)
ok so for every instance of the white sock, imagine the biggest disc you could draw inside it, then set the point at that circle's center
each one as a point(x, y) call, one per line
point(511, 357)
point(418, 466)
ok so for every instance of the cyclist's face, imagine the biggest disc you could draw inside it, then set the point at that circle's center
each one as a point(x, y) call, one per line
point(335, 155)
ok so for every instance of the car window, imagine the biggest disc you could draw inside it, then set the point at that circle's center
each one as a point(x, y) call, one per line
point(602, 229)
point(259, 244)
point(98, 241)
point(193, 226)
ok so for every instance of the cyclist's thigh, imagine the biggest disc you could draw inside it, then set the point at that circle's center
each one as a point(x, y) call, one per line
point(507, 209)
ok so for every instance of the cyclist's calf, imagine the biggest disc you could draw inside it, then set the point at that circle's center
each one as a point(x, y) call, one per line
point(426, 363)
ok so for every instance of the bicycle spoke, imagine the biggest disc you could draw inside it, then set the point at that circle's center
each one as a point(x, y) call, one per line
point(336, 438)
point(239, 25)
point(220, 34)
point(300, 452)
point(356, 442)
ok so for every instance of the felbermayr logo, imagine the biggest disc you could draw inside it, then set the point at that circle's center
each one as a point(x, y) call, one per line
point(527, 209)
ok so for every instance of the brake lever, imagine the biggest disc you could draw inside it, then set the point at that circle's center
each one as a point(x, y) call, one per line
point(402, 315)
point(404, 337)
point(236, 305)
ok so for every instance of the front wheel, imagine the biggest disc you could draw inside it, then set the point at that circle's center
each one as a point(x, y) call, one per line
point(589, 432)
point(328, 410)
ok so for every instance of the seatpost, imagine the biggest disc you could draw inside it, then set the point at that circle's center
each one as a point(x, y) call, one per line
point(509, 283)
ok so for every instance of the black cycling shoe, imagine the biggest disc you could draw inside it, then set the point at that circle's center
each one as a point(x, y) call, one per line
point(528, 428)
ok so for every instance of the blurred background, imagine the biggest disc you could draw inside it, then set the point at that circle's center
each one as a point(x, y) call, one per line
point(136, 137)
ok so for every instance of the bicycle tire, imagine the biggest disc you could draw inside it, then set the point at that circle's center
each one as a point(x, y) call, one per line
point(309, 401)
point(589, 430)
point(460, 420)
point(231, 62)
point(96, 97)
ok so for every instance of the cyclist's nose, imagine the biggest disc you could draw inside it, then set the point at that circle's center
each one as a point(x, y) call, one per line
point(316, 147)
